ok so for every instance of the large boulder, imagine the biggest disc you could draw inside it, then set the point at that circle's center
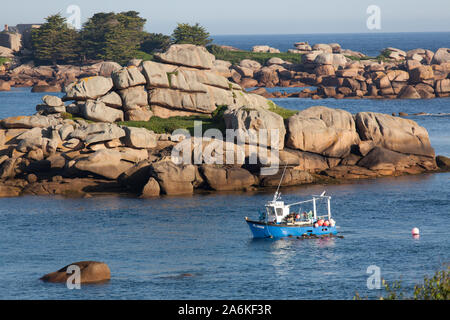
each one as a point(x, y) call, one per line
point(227, 179)
point(140, 138)
point(421, 73)
point(322, 130)
point(381, 159)
point(141, 114)
point(187, 55)
point(292, 177)
point(88, 88)
point(173, 179)
point(27, 122)
point(248, 119)
point(265, 48)
point(52, 101)
point(324, 58)
point(108, 67)
point(157, 74)
point(134, 97)
point(250, 64)
point(305, 161)
point(222, 68)
point(409, 92)
point(90, 272)
point(267, 76)
point(443, 162)
point(127, 77)
point(173, 99)
point(98, 111)
point(442, 55)
point(4, 85)
point(322, 47)
point(97, 132)
point(151, 189)
point(443, 86)
point(112, 100)
point(106, 163)
point(394, 133)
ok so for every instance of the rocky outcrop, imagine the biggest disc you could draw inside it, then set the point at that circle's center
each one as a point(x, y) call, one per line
point(90, 272)
point(187, 55)
point(321, 130)
point(173, 179)
point(249, 121)
point(227, 179)
point(394, 133)
point(88, 88)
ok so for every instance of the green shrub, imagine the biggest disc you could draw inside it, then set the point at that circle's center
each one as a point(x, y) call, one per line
point(434, 288)
point(160, 125)
point(192, 34)
point(3, 60)
point(285, 113)
point(235, 57)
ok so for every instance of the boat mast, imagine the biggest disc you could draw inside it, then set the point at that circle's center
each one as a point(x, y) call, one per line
point(275, 196)
point(329, 209)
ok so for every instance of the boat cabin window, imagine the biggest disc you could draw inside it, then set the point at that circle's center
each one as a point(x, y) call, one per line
point(279, 212)
point(270, 211)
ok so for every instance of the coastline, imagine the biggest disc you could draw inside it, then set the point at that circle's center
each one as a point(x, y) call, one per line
point(115, 135)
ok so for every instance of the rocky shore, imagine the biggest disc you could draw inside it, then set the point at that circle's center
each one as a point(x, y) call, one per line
point(336, 72)
point(80, 144)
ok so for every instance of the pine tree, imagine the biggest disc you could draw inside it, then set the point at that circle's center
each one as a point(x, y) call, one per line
point(110, 36)
point(155, 42)
point(55, 41)
point(194, 34)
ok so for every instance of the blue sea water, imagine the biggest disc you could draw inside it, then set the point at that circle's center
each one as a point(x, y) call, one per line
point(151, 244)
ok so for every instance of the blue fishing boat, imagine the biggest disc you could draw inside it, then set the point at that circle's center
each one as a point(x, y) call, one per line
point(278, 220)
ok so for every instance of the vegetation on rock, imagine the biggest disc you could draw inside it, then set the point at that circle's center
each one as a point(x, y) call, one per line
point(191, 34)
point(262, 57)
point(434, 288)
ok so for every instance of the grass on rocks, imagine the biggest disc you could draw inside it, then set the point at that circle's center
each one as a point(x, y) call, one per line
point(213, 121)
point(161, 125)
point(285, 113)
point(235, 57)
point(3, 60)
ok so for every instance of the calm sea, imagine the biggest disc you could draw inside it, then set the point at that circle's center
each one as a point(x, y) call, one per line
point(150, 244)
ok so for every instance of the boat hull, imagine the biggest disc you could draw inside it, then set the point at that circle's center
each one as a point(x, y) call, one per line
point(262, 230)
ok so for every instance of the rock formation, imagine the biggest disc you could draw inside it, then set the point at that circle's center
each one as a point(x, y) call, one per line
point(78, 148)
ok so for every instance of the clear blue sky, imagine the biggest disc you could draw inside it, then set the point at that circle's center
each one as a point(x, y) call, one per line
point(251, 16)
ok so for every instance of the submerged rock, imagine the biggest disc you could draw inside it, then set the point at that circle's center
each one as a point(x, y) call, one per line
point(90, 272)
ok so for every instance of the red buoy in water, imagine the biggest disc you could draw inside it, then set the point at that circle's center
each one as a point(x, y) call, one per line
point(415, 231)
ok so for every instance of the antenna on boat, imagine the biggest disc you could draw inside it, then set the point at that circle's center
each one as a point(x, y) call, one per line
point(323, 193)
point(277, 194)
